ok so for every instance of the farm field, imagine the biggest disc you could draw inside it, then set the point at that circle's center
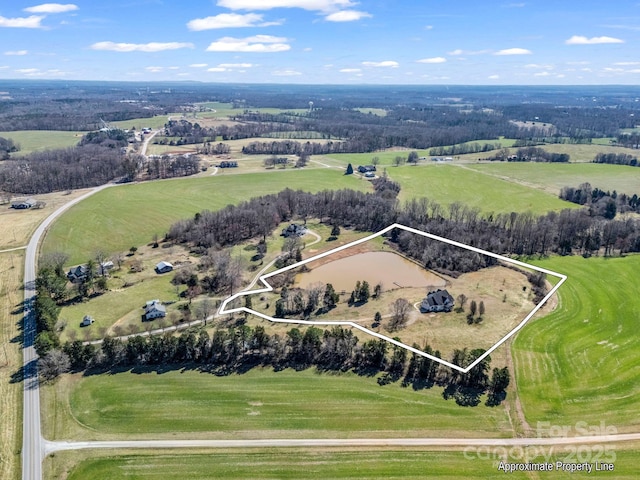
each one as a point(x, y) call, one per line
point(407, 463)
point(186, 403)
point(36, 140)
point(11, 276)
point(446, 184)
point(17, 226)
point(580, 362)
point(117, 218)
point(551, 177)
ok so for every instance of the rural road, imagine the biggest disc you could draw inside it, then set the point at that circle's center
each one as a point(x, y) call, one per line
point(32, 441)
point(51, 447)
point(145, 144)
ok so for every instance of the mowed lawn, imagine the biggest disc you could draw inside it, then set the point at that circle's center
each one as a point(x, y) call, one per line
point(408, 463)
point(448, 183)
point(118, 218)
point(259, 404)
point(551, 177)
point(35, 140)
point(580, 363)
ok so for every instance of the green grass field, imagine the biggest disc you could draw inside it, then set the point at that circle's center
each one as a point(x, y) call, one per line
point(259, 404)
point(407, 463)
point(448, 183)
point(117, 218)
point(551, 177)
point(580, 363)
point(36, 140)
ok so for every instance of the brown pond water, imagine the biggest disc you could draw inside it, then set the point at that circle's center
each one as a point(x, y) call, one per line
point(389, 269)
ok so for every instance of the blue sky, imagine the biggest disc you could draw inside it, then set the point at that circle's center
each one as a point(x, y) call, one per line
point(485, 42)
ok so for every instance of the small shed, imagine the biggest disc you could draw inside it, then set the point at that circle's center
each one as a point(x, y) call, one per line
point(163, 267)
point(86, 321)
point(23, 204)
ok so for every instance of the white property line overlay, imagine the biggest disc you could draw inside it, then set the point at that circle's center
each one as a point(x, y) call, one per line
point(269, 288)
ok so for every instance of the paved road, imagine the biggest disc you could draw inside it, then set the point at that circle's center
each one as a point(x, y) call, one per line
point(51, 447)
point(32, 441)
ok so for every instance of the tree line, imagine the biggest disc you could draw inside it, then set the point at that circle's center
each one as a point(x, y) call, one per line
point(242, 347)
point(600, 202)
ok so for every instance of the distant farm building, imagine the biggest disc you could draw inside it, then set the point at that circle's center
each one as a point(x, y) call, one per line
point(104, 267)
point(369, 175)
point(228, 164)
point(163, 267)
point(437, 301)
point(294, 230)
point(154, 309)
point(86, 321)
point(23, 204)
point(366, 168)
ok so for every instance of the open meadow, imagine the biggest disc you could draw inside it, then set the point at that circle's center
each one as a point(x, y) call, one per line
point(321, 463)
point(117, 218)
point(11, 276)
point(446, 184)
point(186, 403)
point(580, 363)
point(37, 140)
point(551, 177)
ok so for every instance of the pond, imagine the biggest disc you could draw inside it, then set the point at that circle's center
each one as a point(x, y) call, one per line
point(386, 268)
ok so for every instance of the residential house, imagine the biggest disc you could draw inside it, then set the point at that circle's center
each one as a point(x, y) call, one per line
point(366, 168)
point(77, 274)
point(228, 164)
point(86, 321)
point(154, 309)
point(23, 204)
point(163, 267)
point(294, 230)
point(437, 301)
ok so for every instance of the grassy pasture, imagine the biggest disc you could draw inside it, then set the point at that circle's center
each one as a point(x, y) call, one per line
point(407, 463)
point(378, 112)
point(551, 177)
point(117, 218)
point(11, 276)
point(36, 140)
point(448, 183)
point(261, 403)
point(580, 363)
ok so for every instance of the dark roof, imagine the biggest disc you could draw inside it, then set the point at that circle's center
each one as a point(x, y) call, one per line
point(439, 297)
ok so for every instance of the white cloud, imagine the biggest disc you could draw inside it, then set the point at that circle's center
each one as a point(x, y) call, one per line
point(16, 52)
point(538, 66)
point(347, 16)
point(27, 71)
point(228, 20)
point(515, 5)
point(493, 77)
point(32, 21)
point(140, 47)
point(51, 8)
point(384, 64)
point(513, 51)
point(432, 60)
point(154, 69)
point(541, 74)
point(428, 27)
point(286, 73)
point(313, 5)
point(236, 65)
point(622, 64)
point(581, 40)
point(350, 70)
point(216, 69)
point(459, 51)
point(334, 10)
point(255, 44)
point(198, 65)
